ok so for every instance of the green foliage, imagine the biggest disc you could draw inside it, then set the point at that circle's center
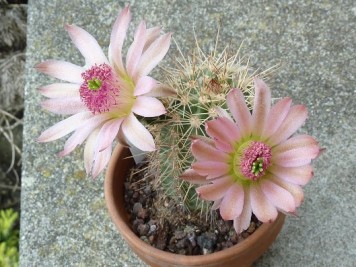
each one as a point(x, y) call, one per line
point(9, 238)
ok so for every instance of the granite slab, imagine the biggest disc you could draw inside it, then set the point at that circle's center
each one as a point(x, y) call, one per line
point(64, 221)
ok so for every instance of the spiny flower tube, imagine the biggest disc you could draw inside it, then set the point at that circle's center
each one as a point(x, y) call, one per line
point(250, 163)
point(103, 96)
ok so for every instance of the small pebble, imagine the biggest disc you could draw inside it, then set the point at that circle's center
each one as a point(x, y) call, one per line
point(136, 208)
point(143, 229)
point(251, 228)
point(142, 213)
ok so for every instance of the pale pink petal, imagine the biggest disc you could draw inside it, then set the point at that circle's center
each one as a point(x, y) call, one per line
point(62, 70)
point(146, 106)
point(296, 151)
point(135, 51)
point(64, 127)
point(153, 55)
point(296, 157)
point(296, 142)
point(223, 146)
point(89, 151)
point(137, 134)
point(64, 106)
point(203, 151)
point(276, 116)
point(261, 107)
point(232, 203)
point(216, 190)
point(223, 113)
point(203, 138)
point(144, 85)
point(161, 90)
point(224, 130)
point(211, 169)
point(294, 120)
point(151, 35)
point(243, 221)
point(216, 204)
point(108, 132)
point(101, 161)
point(239, 110)
point(296, 175)
point(295, 190)
point(59, 90)
point(117, 38)
point(193, 177)
point(261, 206)
point(87, 45)
point(82, 133)
point(278, 196)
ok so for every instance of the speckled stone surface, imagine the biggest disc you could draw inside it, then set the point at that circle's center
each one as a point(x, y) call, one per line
point(64, 219)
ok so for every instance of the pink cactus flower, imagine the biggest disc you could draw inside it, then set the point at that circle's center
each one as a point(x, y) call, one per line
point(103, 96)
point(251, 164)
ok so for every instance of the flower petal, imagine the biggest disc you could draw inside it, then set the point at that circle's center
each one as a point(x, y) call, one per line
point(137, 134)
point(64, 127)
point(239, 110)
point(135, 51)
point(295, 119)
point(216, 190)
point(118, 35)
point(211, 169)
point(146, 106)
point(108, 132)
point(161, 90)
point(295, 190)
point(87, 45)
point(82, 133)
point(62, 70)
point(296, 142)
point(243, 221)
point(144, 85)
point(223, 130)
point(64, 106)
point(276, 116)
point(89, 151)
point(232, 203)
point(262, 105)
point(59, 90)
point(278, 196)
point(261, 207)
point(101, 160)
point(216, 204)
point(203, 151)
point(296, 151)
point(296, 157)
point(193, 177)
point(223, 113)
point(296, 175)
point(153, 55)
point(151, 35)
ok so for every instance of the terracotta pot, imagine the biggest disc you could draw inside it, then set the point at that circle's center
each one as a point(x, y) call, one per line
point(242, 254)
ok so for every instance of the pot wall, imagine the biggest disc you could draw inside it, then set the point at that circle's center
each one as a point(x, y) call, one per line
point(242, 254)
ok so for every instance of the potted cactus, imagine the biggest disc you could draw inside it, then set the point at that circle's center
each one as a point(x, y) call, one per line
point(217, 148)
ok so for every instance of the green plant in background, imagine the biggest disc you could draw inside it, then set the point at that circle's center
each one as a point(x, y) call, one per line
point(9, 238)
point(201, 83)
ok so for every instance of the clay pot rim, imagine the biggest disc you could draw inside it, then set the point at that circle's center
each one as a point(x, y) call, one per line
point(132, 239)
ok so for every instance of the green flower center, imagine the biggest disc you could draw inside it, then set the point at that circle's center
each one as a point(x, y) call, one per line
point(250, 161)
point(94, 84)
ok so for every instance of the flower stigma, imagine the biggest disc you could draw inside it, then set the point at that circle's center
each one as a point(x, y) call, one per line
point(94, 84)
